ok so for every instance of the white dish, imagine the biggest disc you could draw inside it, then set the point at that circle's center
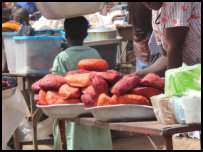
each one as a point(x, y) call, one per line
point(56, 10)
point(64, 110)
point(123, 112)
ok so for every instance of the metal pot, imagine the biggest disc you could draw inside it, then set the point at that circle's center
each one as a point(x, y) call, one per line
point(100, 34)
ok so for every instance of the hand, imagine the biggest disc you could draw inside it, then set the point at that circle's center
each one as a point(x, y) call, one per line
point(50, 70)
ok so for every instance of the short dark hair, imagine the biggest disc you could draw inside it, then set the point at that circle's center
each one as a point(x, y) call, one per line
point(17, 6)
point(76, 28)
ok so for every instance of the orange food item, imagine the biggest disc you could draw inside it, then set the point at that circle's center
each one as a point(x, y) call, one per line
point(112, 71)
point(89, 100)
point(67, 101)
point(60, 101)
point(51, 82)
point(93, 65)
point(133, 99)
point(42, 97)
point(36, 98)
point(35, 86)
point(105, 100)
point(89, 90)
point(100, 85)
point(72, 101)
point(111, 76)
point(52, 97)
point(78, 80)
point(67, 91)
point(146, 91)
point(124, 85)
point(153, 80)
point(77, 72)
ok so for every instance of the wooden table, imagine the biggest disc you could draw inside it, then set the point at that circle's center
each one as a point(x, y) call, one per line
point(25, 82)
point(143, 127)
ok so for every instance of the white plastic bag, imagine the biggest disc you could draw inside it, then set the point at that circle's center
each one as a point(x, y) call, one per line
point(178, 110)
point(13, 112)
point(191, 104)
point(44, 129)
point(163, 109)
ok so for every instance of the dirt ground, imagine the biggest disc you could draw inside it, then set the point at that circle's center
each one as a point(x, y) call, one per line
point(142, 143)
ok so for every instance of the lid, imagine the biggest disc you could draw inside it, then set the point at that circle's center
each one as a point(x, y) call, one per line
point(48, 31)
point(37, 38)
point(101, 29)
point(9, 33)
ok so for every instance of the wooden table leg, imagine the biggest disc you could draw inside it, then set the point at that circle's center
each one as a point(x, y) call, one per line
point(168, 142)
point(16, 141)
point(35, 119)
point(62, 134)
point(152, 142)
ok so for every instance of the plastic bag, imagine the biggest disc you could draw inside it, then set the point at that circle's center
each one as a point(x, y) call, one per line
point(44, 129)
point(191, 104)
point(177, 81)
point(163, 109)
point(178, 110)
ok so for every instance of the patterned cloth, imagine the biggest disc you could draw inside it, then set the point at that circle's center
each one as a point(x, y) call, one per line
point(141, 50)
point(140, 17)
point(176, 14)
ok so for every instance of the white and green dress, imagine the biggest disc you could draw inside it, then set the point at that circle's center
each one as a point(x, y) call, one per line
point(79, 137)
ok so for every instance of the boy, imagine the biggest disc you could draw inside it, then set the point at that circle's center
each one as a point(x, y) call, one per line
point(20, 17)
point(78, 137)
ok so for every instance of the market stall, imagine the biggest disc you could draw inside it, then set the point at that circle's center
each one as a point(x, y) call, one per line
point(144, 127)
point(97, 92)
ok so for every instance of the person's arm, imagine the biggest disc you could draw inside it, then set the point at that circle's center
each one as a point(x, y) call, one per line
point(158, 67)
point(175, 37)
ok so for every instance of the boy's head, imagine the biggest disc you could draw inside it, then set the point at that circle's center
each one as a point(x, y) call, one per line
point(15, 8)
point(76, 29)
point(21, 16)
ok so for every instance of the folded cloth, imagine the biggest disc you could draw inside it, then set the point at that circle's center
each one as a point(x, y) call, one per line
point(11, 25)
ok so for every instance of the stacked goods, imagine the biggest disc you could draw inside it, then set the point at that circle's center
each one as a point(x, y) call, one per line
point(91, 84)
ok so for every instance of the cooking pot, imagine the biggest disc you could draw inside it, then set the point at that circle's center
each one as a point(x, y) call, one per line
point(99, 34)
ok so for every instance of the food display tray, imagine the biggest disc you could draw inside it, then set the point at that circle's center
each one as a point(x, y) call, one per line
point(123, 112)
point(64, 110)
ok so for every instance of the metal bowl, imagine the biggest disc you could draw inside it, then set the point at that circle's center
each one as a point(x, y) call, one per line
point(64, 110)
point(123, 112)
point(100, 34)
point(8, 93)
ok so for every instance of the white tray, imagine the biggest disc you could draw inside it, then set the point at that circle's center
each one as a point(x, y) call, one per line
point(123, 112)
point(64, 110)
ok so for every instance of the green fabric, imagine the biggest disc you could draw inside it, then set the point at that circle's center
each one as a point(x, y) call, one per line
point(178, 80)
point(79, 137)
point(82, 137)
point(69, 58)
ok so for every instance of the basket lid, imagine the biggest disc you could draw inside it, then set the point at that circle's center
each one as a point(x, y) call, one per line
point(37, 38)
point(9, 33)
